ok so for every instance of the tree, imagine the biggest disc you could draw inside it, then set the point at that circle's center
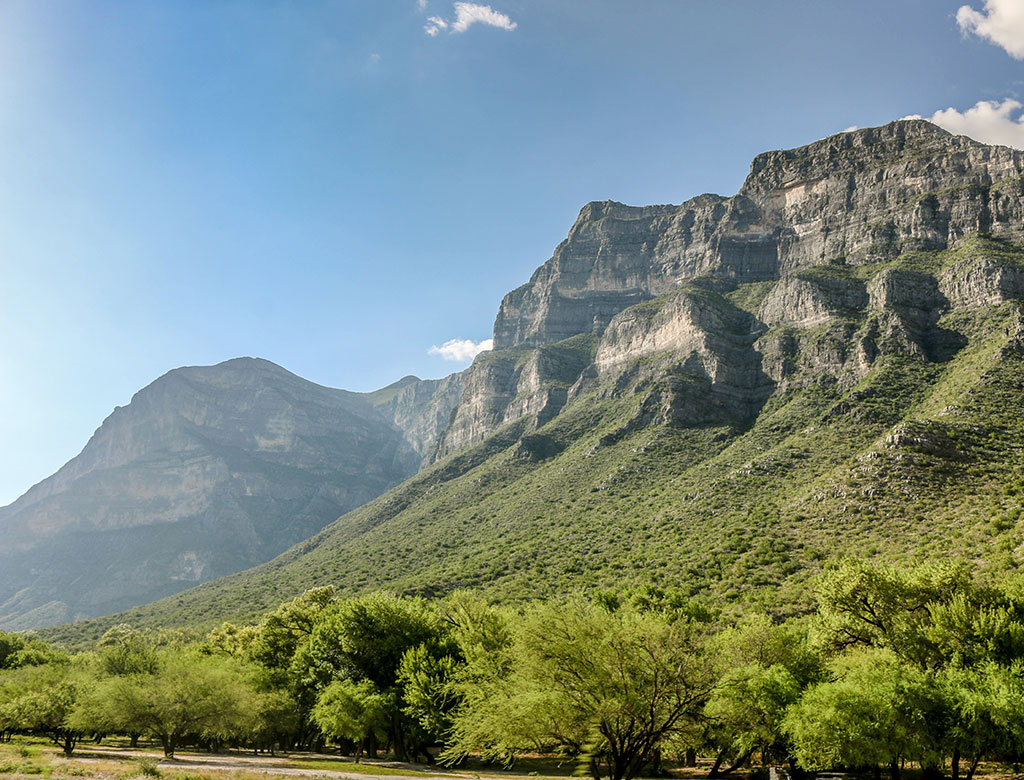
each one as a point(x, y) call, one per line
point(985, 714)
point(352, 710)
point(861, 604)
point(607, 687)
point(764, 669)
point(42, 699)
point(122, 651)
point(425, 676)
point(18, 650)
point(937, 619)
point(364, 639)
point(186, 694)
point(876, 711)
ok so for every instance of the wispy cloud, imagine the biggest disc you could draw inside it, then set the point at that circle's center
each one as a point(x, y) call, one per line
point(1001, 21)
point(461, 349)
point(989, 121)
point(466, 15)
point(850, 129)
point(434, 25)
point(421, 5)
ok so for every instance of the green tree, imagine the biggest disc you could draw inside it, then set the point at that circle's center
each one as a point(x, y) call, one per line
point(875, 712)
point(607, 687)
point(425, 675)
point(18, 650)
point(764, 669)
point(983, 702)
point(353, 710)
point(42, 699)
point(187, 694)
point(364, 639)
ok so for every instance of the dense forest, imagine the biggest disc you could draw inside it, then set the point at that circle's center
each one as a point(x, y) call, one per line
point(896, 666)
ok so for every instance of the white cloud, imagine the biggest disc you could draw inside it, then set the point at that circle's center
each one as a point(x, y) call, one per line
point(461, 349)
point(434, 25)
point(466, 15)
point(421, 5)
point(989, 121)
point(375, 59)
point(1002, 22)
point(850, 129)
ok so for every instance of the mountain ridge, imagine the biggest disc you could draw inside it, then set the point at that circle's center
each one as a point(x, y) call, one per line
point(723, 394)
point(207, 470)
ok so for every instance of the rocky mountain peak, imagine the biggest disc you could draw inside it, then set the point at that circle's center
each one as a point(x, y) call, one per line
point(863, 196)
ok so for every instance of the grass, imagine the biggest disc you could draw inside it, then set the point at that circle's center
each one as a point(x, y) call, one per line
point(364, 768)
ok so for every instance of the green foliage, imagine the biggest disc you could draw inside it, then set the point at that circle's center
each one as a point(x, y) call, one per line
point(43, 698)
point(353, 710)
point(364, 640)
point(875, 712)
point(425, 675)
point(18, 650)
point(763, 670)
point(186, 693)
point(606, 687)
point(148, 768)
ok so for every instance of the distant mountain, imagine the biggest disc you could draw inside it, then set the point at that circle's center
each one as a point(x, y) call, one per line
point(209, 470)
point(720, 396)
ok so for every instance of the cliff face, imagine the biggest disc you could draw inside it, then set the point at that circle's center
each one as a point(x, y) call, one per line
point(207, 471)
point(421, 408)
point(857, 197)
point(853, 201)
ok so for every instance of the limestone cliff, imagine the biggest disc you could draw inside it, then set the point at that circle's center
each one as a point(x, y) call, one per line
point(421, 408)
point(207, 471)
point(857, 197)
point(801, 226)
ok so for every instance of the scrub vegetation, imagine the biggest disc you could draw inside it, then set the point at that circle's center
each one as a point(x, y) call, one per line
point(894, 669)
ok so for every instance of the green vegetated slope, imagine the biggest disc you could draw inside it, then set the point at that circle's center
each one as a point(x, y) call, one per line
point(884, 429)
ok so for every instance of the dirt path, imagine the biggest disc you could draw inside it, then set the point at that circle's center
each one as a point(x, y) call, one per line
point(272, 765)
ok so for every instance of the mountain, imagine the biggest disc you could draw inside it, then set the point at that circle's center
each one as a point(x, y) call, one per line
point(209, 470)
point(721, 396)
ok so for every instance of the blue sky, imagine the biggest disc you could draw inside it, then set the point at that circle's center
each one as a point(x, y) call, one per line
point(339, 186)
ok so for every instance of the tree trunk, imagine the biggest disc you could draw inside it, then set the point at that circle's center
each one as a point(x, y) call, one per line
point(718, 763)
point(168, 741)
point(894, 769)
point(737, 764)
point(795, 770)
point(974, 766)
point(690, 757)
point(68, 742)
point(954, 764)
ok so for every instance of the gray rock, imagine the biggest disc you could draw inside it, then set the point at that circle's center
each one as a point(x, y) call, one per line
point(209, 470)
point(805, 219)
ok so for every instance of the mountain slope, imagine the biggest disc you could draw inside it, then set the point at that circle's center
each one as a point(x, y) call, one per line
point(209, 470)
point(728, 420)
